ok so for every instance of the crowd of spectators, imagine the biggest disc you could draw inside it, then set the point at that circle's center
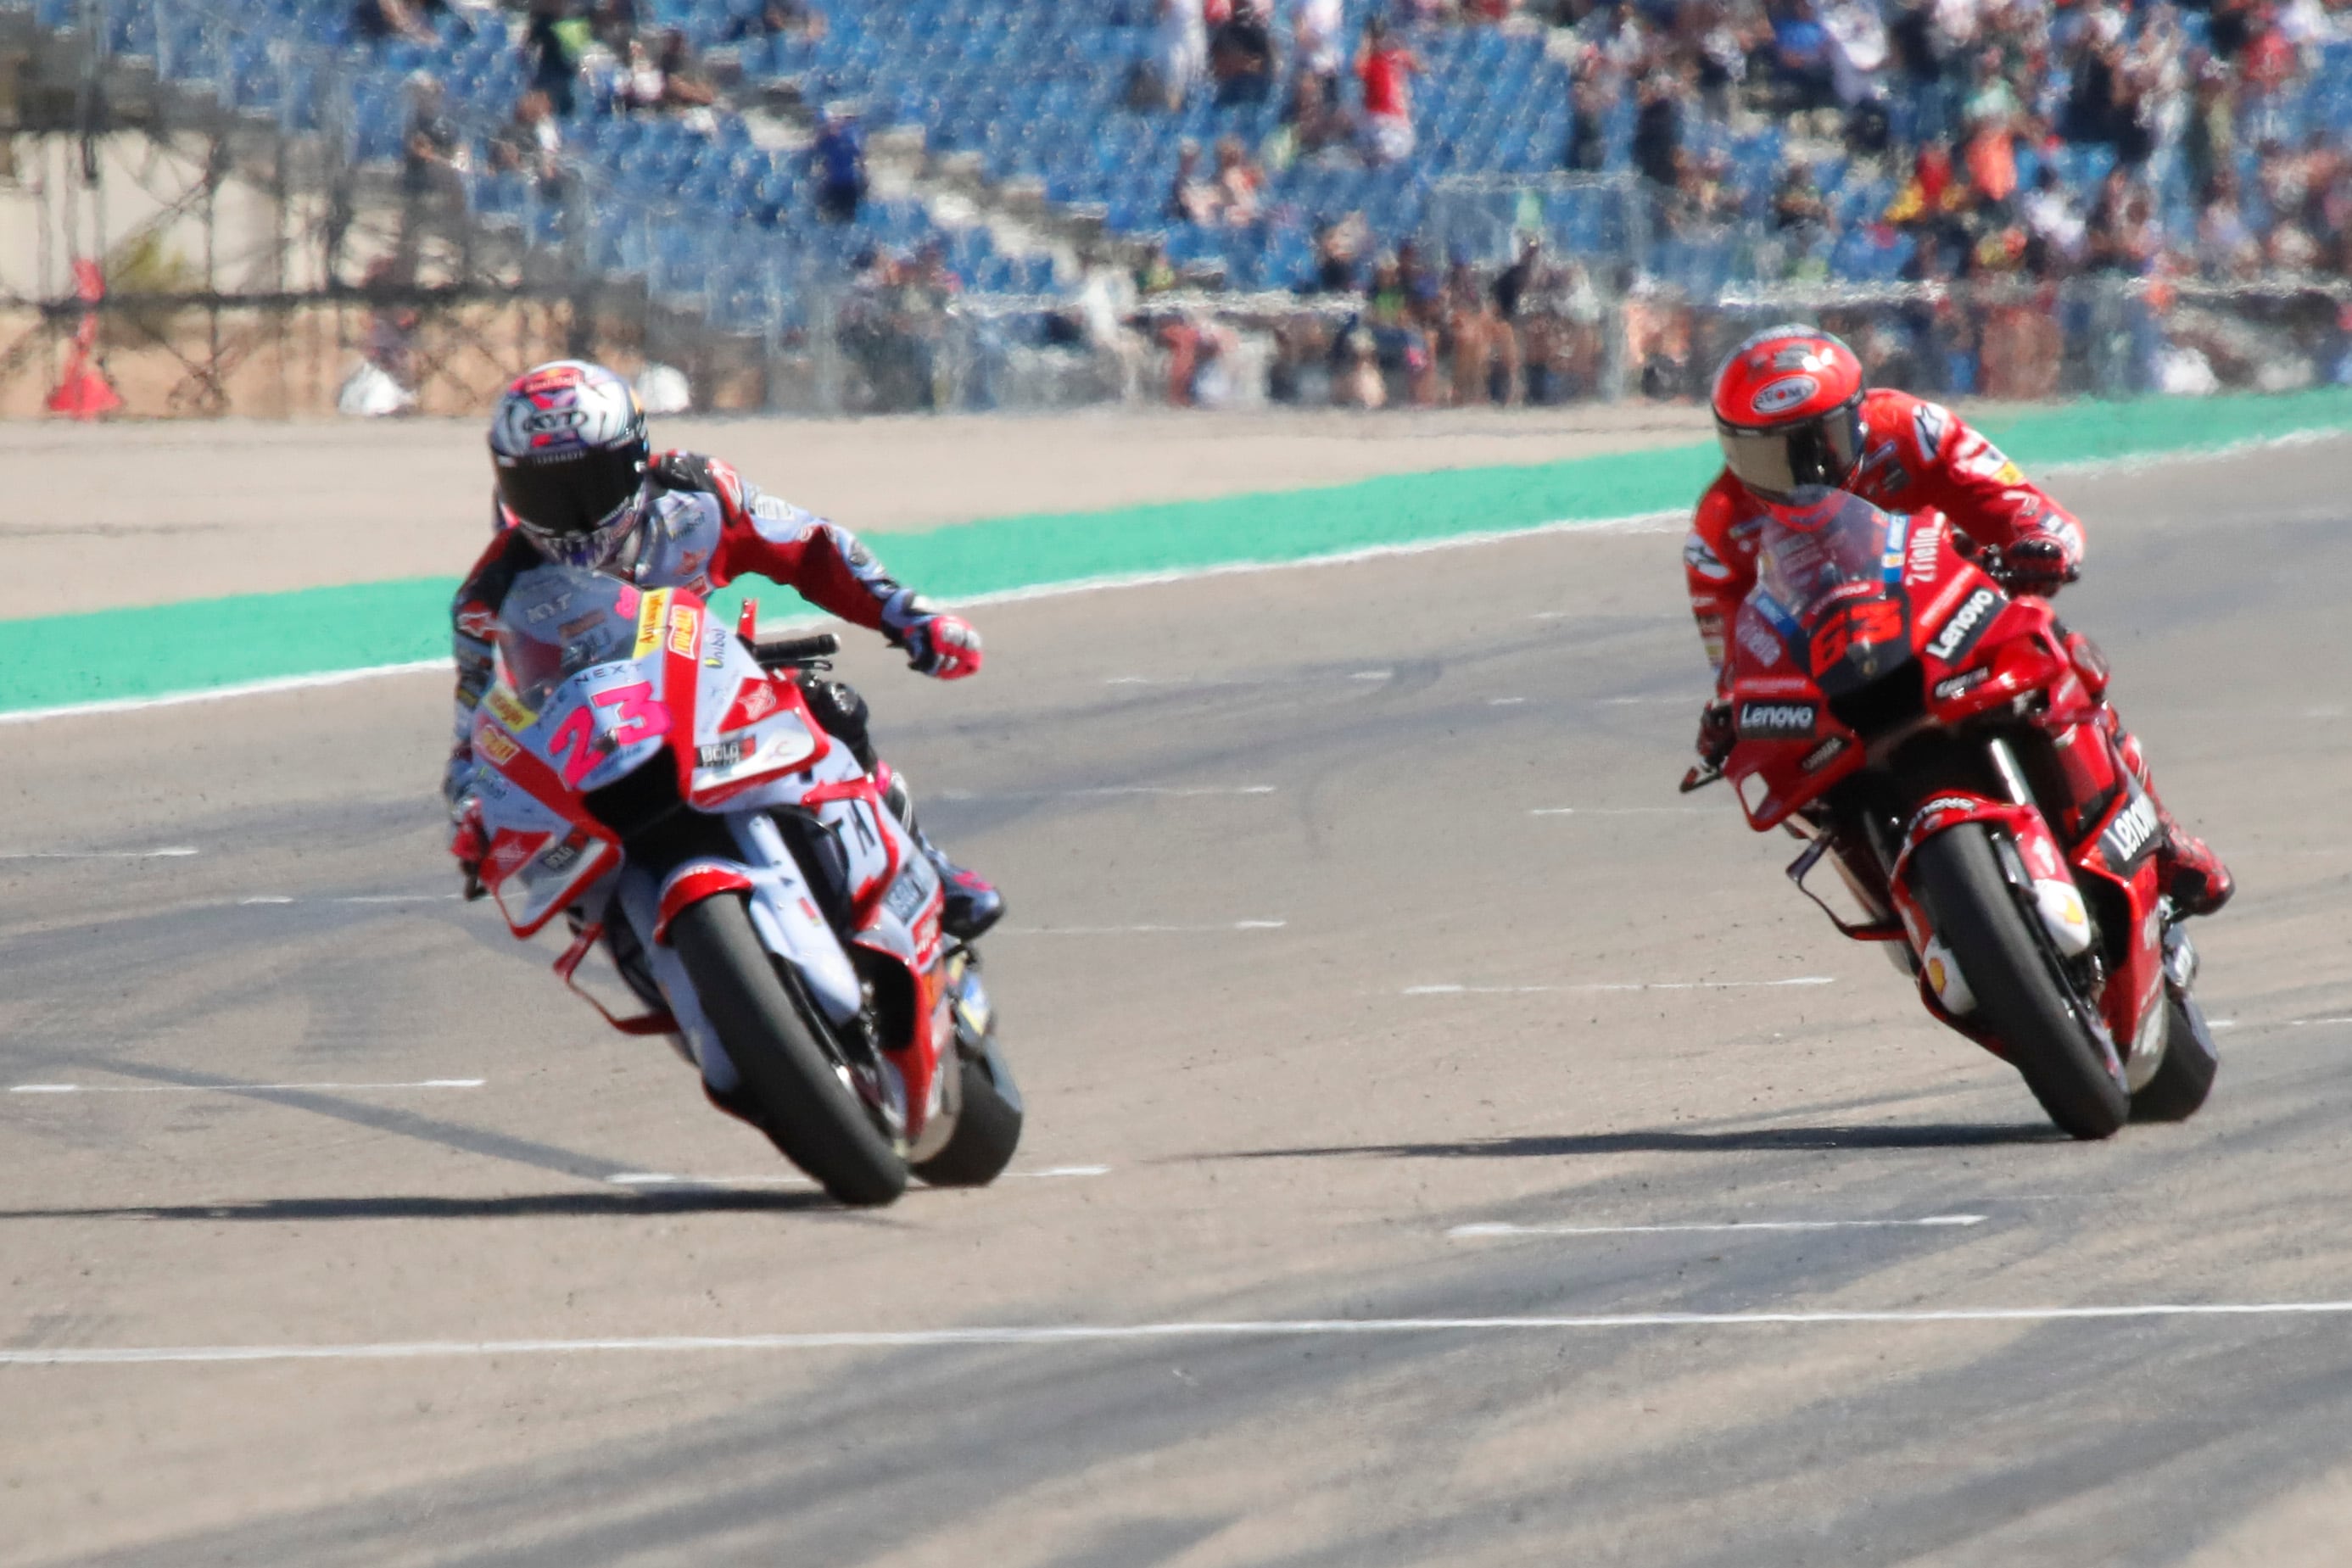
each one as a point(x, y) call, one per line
point(1963, 123)
point(1898, 142)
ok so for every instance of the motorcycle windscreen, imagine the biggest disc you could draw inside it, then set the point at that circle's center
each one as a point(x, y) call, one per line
point(559, 620)
point(1833, 589)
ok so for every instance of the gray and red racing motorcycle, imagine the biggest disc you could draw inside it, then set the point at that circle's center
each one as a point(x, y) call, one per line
point(656, 776)
point(1938, 741)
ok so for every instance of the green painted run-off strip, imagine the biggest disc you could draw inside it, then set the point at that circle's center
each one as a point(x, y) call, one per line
point(112, 655)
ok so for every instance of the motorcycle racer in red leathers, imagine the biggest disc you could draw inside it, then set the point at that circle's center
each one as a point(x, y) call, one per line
point(577, 484)
point(1793, 415)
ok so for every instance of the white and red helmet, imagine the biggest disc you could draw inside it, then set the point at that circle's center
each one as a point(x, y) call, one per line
point(568, 441)
point(1788, 410)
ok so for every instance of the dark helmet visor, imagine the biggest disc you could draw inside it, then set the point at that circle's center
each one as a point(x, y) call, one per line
point(576, 493)
point(1781, 464)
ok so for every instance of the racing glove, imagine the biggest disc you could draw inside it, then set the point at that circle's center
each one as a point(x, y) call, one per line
point(1717, 732)
point(2039, 564)
point(469, 842)
point(945, 647)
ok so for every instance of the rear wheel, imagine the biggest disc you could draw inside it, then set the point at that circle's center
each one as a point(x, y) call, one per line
point(803, 1095)
point(2185, 1076)
point(2021, 995)
point(987, 1130)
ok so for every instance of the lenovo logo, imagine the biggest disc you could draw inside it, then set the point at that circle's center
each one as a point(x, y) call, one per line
point(1777, 721)
point(2130, 835)
point(1967, 622)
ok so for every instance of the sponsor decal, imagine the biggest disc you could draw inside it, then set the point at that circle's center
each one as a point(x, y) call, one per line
point(548, 611)
point(684, 634)
point(1951, 686)
point(1778, 721)
point(1926, 547)
point(510, 854)
point(477, 621)
point(562, 856)
point(1930, 423)
point(1700, 558)
point(1967, 624)
point(908, 894)
point(2132, 834)
point(495, 744)
point(1940, 805)
point(1758, 639)
point(2040, 855)
point(725, 753)
point(509, 709)
point(754, 700)
point(1781, 396)
point(1982, 459)
point(554, 421)
point(1796, 357)
point(2010, 473)
point(1827, 752)
point(651, 617)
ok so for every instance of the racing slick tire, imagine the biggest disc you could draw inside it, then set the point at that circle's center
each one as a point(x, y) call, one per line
point(987, 1129)
point(2185, 1076)
point(2021, 996)
point(805, 1105)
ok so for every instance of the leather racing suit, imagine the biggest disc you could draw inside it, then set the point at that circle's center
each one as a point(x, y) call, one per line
point(702, 525)
point(1919, 456)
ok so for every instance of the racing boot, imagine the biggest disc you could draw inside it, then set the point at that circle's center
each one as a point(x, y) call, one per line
point(972, 903)
point(2194, 877)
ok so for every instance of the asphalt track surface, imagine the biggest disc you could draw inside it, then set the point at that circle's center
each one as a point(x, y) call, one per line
point(1273, 1124)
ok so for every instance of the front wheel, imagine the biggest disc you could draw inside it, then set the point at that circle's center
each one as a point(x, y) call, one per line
point(2021, 996)
point(805, 1102)
point(987, 1129)
point(2185, 1076)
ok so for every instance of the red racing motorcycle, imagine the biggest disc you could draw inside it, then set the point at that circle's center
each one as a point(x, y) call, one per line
point(1938, 741)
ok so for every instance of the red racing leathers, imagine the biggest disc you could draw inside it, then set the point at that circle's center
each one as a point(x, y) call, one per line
point(1919, 456)
point(1915, 455)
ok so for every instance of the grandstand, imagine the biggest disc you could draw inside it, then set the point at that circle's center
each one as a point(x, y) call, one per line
point(713, 212)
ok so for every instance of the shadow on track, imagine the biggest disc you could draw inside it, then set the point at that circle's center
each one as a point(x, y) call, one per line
point(520, 1206)
point(1928, 1135)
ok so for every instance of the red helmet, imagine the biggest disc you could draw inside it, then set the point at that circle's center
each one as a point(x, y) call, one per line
point(1788, 408)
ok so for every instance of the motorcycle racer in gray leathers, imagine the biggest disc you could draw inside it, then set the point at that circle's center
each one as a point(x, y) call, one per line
point(577, 484)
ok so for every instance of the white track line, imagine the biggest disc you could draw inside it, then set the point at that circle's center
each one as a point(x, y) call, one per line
point(1616, 811)
point(1614, 986)
point(1505, 702)
point(1501, 1229)
point(235, 1088)
point(175, 852)
point(1140, 930)
point(222, 694)
point(355, 898)
point(1087, 1334)
point(1106, 792)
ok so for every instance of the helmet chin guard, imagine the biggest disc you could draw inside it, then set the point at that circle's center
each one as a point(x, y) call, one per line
point(568, 441)
point(1787, 410)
